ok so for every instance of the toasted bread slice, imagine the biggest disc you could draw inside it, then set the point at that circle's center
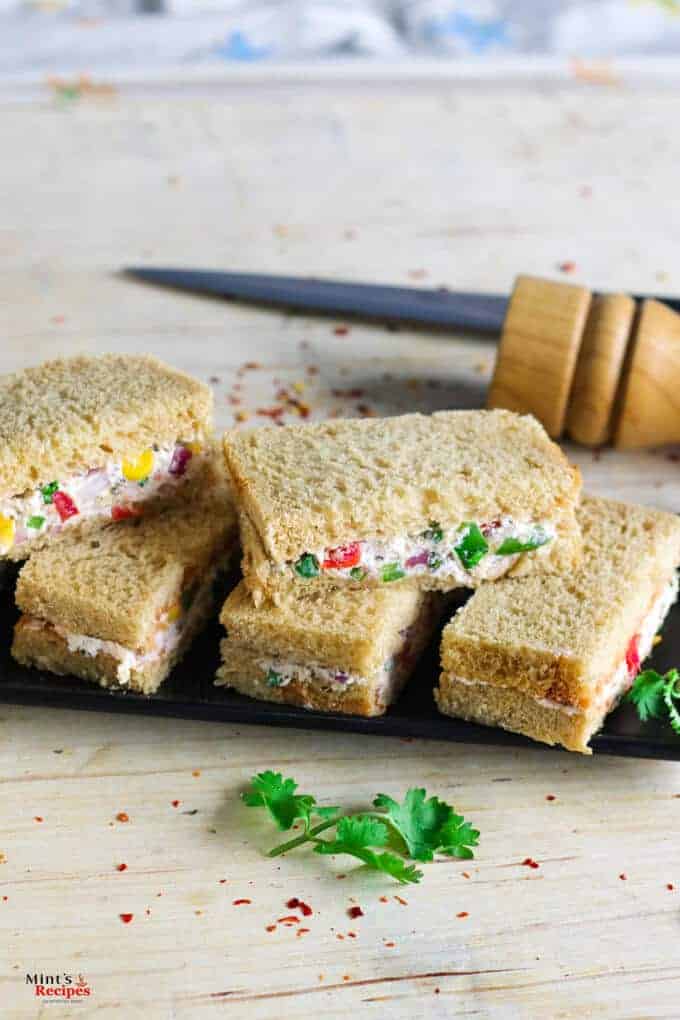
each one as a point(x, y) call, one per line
point(336, 651)
point(314, 493)
point(122, 587)
point(564, 641)
point(90, 439)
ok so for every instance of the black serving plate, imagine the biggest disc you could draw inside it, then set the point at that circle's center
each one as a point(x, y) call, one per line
point(189, 693)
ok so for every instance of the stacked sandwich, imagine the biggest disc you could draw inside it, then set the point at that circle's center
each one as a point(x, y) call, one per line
point(354, 531)
point(113, 491)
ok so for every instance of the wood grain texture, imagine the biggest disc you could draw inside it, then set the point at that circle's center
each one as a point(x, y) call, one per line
point(537, 354)
point(650, 398)
point(598, 368)
point(474, 186)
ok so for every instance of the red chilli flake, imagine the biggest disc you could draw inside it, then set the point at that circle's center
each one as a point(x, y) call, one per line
point(341, 330)
point(126, 918)
point(237, 903)
point(463, 913)
point(122, 817)
point(551, 796)
point(38, 818)
point(341, 937)
point(301, 931)
point(270, 927)
point(670, 886)
point(296, 904)
point(567, 267)
point(390, 945)
point(176, 803)
point(384, 899)
point(121, 867)
point(403, 902)
point(354, 912)
point(289, 919)
point(623, 877)
point(529, 862)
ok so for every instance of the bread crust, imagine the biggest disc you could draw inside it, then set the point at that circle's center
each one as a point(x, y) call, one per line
point(354, 631)
point(307, 487)
point(517, 712)
point(66, 416)
point(557, 637)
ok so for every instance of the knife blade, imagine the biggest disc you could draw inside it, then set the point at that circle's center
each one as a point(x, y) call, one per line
point(463, 310)
point(482, 313)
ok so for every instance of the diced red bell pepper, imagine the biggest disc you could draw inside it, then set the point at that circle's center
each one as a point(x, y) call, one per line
point(633, 655)
point(343, 556)
point(65, 506)
point(121, 513)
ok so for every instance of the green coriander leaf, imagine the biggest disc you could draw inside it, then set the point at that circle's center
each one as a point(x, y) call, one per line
point(326, 812)
point(35, 522)
point(307, 565)
point(391, 572)
point(510, 546)
point(672, 698)
point(427, 825)
point(472, 547)
point(271, 790)
point(273, 679)
point(356, 832)
point(48, 491)
point(647, 694)
point(434, 562)
point(357, 573)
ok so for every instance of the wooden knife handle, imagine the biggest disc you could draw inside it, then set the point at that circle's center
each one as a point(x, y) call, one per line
point(597, 367)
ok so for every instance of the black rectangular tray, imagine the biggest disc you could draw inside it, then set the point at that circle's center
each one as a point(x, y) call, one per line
point(189, 693)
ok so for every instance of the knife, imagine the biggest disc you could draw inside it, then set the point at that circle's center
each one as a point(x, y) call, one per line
point(462, 310)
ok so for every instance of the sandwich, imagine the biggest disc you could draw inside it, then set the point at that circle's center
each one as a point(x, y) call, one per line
point(87, 440)
point(550, 656)
point(336, 651)
point(121, 607)
point(430, 502)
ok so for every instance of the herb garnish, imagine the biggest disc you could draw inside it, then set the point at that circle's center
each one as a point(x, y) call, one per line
point(392, 572)
point(415, 829)
point(510, 546)
point(655, 695)
point(307, 565)
point(434, 533)
point(472, 547)
point(48, 492)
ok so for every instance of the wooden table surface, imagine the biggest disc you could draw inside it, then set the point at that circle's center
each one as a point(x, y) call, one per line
point(432, 183)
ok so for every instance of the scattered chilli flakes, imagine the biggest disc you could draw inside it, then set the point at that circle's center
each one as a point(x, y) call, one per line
point(301, 931)
point(296, 904)
point(289, 919)
point(176, 803)
point(38, 818)
point(567, 267)
point(223, 881)
point(126, 918)
point(351, 934)
point(670, 886)
point(384, 899)
point(270, 927)
point(252, 366)
point(271, 412)
point(121, 867)
point(529, 862)
point(354, 912)
point(550, 796)
point(238, 903)
point(401, 900)
point(623, 876)
point(341, 330)
point(122, 816)
point(390, 945)
point(462, 913)
point(466, 874)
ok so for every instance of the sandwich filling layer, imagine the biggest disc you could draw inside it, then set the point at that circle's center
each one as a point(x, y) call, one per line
point(277, 672)
point(469, 552)
point(116, 490)
point(609, 692)
point(170, 627)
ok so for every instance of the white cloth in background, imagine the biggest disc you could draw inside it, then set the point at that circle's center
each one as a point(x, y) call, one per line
point(102, 35)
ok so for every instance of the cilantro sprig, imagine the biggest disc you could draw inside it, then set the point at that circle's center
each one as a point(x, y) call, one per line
point(655, 695)
point(414, 829)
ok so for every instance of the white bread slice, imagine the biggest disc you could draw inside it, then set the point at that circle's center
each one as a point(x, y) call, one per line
point(559, 639)
point(114, 585)
point(354, 632)
point(306, 487)
point(64, 417)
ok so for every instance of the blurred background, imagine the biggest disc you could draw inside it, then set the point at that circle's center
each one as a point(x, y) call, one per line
point(106, 35)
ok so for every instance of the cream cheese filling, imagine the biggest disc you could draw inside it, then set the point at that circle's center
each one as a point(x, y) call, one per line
point(621, 679)
point(464, 554)
point(115, 489)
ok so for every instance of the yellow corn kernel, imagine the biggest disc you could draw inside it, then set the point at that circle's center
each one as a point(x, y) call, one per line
point(174, 612)
point(7, 530)
point(194, 448)
point(138, 470)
